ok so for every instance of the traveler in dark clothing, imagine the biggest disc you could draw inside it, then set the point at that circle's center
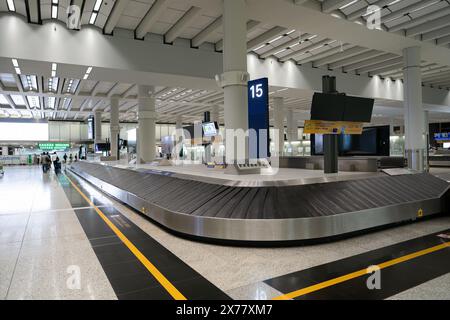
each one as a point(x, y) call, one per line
point(57, 165)
point(65, 157)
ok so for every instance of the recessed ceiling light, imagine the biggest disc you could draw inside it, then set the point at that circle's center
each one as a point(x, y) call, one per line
point(54, 11)
point(18, 70)
point(277, 38)
point(11, 6)
point(15, 63)
point(93, 17)
point(348, 4)
point(260, 47)
point(97, 5)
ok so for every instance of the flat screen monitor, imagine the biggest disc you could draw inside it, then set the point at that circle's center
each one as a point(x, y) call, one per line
point(100, 147)
point(374, 141)
point(337, 107)
point(358, 109)
point(209, 129)
point(328, 107)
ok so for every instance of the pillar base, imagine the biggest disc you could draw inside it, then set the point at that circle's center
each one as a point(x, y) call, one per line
point(416, 159)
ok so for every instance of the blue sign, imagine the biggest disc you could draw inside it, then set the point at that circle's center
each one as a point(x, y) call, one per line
point(258, 118)
point(442, 136)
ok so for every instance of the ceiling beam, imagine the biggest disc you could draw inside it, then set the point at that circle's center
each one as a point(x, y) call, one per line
point(429, 26)
point(436, 34)
point(33, 11)
point(203, 35)
point(420, 20)
point(355, 59)
point(441, 80)
point(329, 6)
point(115, 15)
point(296, 41)
point(265, 37)
point(311, 47)
point(443, 41)
point(380, 65)
point(178, 28)
point(251, 25)
point(339, 56)
point(150, 18)
point(327, 53)
point(387, 69)
point(358, 13)
point(112, 90)
point(369, 62)
point(401, 12)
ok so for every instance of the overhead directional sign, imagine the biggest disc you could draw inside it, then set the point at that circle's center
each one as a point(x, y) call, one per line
point(258, 118)
point(53, 146)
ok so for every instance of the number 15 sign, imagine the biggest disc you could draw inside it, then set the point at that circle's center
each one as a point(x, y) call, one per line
point(258, 117)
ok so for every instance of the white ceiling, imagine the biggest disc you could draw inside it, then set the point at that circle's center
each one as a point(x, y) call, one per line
point(423, 20)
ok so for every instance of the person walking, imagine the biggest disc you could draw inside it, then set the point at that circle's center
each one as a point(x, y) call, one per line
point(57, 165)
point(46, 161)
point(65, 158)
point(70, 158)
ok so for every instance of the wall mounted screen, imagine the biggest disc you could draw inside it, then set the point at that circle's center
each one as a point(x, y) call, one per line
point(23, 131)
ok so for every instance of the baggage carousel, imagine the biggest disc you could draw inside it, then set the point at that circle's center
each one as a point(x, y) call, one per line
point(269, 213)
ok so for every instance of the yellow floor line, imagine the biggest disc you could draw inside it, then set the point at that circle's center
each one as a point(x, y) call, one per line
point(359, 273)
point(177, 295)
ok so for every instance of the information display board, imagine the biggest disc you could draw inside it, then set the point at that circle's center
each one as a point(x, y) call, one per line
point(258, 118)
point(53, 146)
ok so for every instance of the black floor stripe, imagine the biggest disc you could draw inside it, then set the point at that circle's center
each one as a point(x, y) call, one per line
point(394, 279)
point(128, 277)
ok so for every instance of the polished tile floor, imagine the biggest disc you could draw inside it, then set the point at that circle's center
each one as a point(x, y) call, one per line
point(42, 241)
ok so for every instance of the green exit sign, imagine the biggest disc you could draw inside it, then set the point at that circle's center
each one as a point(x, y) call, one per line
point(54, 146)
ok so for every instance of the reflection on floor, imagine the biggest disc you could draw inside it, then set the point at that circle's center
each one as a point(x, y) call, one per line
point(41, 237)
point(41, 240)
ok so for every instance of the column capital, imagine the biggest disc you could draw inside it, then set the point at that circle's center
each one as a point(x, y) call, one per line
point(147, 114)
point(233, 78)
point(146, 91)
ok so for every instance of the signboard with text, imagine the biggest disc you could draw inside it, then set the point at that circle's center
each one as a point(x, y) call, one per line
point(258, 118)
point(332, 127)
point(53, 146)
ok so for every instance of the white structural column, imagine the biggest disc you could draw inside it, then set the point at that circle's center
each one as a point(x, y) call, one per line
point(292, 130)
point(235, 77)
point(98, 126)
point(178, 129)
point(415, 147)
point(114, 126)
point(278, 124)
point(146, 123)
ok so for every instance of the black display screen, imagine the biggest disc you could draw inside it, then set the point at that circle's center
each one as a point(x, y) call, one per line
point(374, 141)
point(335, 107)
